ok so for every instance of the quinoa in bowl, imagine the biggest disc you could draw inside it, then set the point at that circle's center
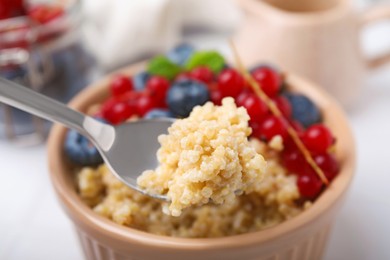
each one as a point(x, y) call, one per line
point(303, 236)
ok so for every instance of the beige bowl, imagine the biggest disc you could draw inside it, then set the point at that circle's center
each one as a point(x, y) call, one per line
point(303, 237)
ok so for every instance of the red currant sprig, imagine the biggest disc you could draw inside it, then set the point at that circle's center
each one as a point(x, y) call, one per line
point(276, 112)
point(268, 79)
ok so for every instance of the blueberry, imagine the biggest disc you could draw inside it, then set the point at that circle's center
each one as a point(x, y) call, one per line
point(157, 113)
point(304, 110)
point(13, 73)
point(184, 95)
point(80, 151)
point(140, 79)
point(181, 53)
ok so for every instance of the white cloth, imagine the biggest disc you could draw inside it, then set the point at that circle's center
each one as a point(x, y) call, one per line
point(119, 31)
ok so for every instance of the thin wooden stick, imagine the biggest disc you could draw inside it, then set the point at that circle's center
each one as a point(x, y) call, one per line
point(275, 110)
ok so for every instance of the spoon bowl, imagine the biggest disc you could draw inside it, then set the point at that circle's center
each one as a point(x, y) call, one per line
point(134, 148)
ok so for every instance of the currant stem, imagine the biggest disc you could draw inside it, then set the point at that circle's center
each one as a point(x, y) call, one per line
point(275, 110)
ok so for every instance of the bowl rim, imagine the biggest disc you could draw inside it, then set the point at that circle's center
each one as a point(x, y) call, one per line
point(82, 214)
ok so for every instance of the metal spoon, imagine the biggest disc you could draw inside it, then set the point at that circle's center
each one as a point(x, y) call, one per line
point(127, 149)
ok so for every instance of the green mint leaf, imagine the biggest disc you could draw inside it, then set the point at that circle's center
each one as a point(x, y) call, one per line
point(162, 66)
point(212, 59)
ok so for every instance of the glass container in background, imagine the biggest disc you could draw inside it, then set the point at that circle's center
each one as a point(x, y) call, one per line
point(41, 48)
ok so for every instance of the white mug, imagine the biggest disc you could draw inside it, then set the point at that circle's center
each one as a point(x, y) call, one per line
point(317, 39)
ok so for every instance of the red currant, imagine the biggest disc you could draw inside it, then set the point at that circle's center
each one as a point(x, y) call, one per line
point(107, 105)
point(230, 82)
point(183, 75)
point(213, 86)
point(255, 129)
point(157, 87)
point(145, 103)
point(120, 84)
point(118, 113)
point(268, 79)
point(284, 106)
point(318, 138)
point(309, 185)
point(130, 98)
point(293, 160)
point(241, 97)
point(328, 164)
point(11, 8)
point(273, 126)
point(297, 127)
point(45, 13)
point(130, 95)
point(289, 143)
point(216, 96)
point(256, 108)
point(4, 10)
point(203, 74)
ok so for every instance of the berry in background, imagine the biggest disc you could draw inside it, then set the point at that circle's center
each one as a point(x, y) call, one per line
point(203, 74)
point(184, 95)
point(43, 13)
point(328, 164)
point(216, 96)
point(181, 53)
point(118, 112)
point(158, 113)
point(183, 75)
point(303, 109)
point(120, 84)
point(139, 80)
point(271, 127)
point(318, 138)
point(157, 88)
point(309, 185)
point(283, 105)
point(255, 107)
point(268, 79)
point(80, 150)
point(230, 83)
point(293, 160)
point(144, 104)
point(297, 127)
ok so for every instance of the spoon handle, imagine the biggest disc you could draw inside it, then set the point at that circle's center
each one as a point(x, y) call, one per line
point(32, 102)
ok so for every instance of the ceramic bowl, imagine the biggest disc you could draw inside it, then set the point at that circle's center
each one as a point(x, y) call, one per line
point(302, 237)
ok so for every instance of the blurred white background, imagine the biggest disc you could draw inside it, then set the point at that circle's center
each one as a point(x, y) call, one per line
point(150, 26)
point(33, 226)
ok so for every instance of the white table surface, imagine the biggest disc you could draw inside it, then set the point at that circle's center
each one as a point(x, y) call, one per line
point(33, 226)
